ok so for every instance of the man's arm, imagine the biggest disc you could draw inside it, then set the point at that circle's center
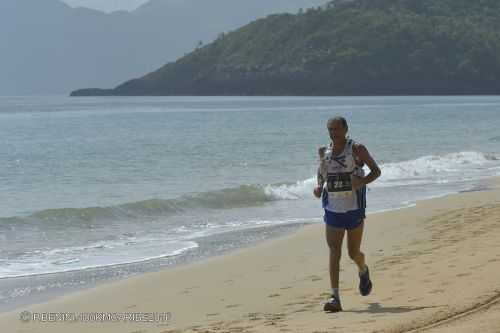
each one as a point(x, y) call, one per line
point(364, 156)
point(320, 177)
point(320, 180)
point(319, 186)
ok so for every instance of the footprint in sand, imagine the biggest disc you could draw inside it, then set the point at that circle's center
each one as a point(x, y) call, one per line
point(312, 278)
point(311, 306)
point(187, 290)
point(274, 317)
point(254, 316)
point(436, 291)
point(300, 310)
point(306, 308)
point(319, 298)
point(413, 300)
point(232, 305)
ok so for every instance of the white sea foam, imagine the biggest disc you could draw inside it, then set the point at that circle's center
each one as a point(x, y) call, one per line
point(300, 189)
point(432, 170)
point(439, 169)
point(84, 257)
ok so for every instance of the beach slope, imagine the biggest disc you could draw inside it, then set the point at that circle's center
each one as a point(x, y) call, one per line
point(435, 268)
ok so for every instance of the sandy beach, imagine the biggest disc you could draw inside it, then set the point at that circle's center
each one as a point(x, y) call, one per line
point(435, 268)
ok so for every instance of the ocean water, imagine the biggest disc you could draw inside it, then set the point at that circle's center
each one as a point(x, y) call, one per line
point(98, 182)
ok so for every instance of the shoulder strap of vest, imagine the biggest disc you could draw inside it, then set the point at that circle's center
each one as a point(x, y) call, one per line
point(350, 145)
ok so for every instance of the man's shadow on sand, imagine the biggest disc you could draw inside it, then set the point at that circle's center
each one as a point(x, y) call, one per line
point(377, 308)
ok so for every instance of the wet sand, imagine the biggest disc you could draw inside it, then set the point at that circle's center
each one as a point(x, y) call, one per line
point(435, 268)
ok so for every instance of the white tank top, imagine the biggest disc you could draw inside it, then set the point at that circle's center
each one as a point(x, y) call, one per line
point(338, 195)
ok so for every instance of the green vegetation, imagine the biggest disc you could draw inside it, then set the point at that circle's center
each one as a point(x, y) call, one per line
point(357, 47)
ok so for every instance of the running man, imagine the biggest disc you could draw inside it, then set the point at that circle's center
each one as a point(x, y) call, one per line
point(342, 188)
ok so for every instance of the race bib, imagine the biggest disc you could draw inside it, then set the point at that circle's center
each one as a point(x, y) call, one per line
point(339, 184)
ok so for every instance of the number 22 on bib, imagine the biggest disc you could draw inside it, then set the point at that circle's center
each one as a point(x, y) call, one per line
point(339, 184)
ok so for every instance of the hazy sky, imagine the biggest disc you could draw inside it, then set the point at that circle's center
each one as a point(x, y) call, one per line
point(107, 5)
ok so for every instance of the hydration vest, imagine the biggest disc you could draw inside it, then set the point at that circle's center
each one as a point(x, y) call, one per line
point(338, 195)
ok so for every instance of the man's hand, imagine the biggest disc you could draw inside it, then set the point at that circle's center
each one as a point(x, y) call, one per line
point(357, 182)
point(317, 191)
point(321, 152)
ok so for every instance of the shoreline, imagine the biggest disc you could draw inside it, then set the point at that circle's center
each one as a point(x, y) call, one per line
point(289, 282)
point(80, 280)
point(44, 287)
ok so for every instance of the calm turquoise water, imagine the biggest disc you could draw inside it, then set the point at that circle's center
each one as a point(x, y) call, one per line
point(100, 181)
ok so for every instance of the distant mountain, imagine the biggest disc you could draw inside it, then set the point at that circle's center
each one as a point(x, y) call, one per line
point(357, 47)
point(48, 47)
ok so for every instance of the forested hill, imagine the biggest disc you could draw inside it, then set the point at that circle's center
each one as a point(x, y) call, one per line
point(358, 47)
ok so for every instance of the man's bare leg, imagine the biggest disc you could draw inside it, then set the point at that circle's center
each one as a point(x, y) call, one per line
point(334, 238)
point(354, 238)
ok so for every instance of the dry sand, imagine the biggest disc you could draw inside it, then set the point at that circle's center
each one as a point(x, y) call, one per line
point(435, 268)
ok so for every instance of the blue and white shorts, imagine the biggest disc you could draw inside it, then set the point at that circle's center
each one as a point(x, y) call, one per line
point(348, 220)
